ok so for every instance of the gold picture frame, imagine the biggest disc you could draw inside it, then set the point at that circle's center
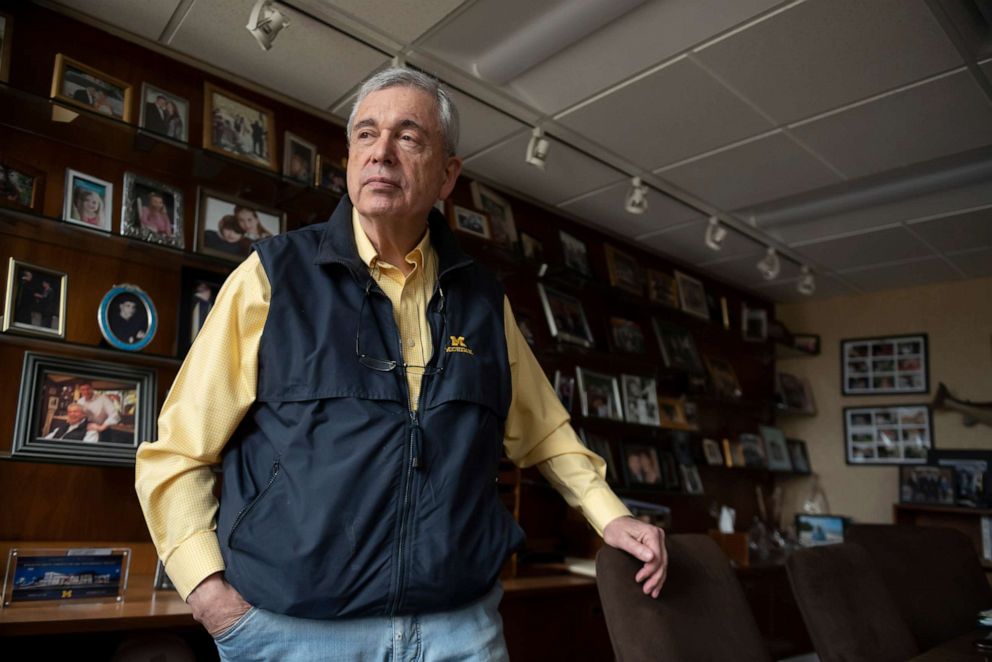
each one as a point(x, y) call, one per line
point(228, 130)
point(83, 86)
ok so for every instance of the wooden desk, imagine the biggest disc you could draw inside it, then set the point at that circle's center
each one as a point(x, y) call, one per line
point(959, 649)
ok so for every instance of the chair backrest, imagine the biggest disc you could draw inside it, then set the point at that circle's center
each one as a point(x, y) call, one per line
point(848, 612)
point(701, 613)
point(932, 573)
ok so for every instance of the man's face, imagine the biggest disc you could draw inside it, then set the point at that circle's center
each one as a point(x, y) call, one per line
point(127, 309)
point(160, 102)
point(397, 163)
point(86, 391)
point(74, 414)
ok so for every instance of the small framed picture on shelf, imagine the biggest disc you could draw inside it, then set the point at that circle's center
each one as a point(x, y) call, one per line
point(670, 471)
point(565, 389)
point(81, 411)
point(641, 466)
point(162, 580)
point(198, 293)
point(48, 576)
point(471, 222)
point(566, 318)
point(334, 178)
point(640, 399)
point(753, 451)
point(88, 201)
point(21, 186)
point(575, 253)
point(972, 474)
point(678, 349)
point(127, 318)
point(80, 85)
point(238, 128)
point(712, 453)
point(35, 301)
point(627, 336)
point(691, 481)
point(599, 395)
point(799, 456)
point(795, 395)
point(754, 323)
point(885, 366)
point(163, 113)
point(776, 448)
point(227, 226)
point(299, 159)
point(6, 31)
point(503, 229)
point(600, 445)
point(625, 272)
point(692, 295)
point(673, 414)
point(893, 434)
point(532, 249)
point(723, 378)
point(662, 288)
point(807, 343)
point(153, 211)
point(926, 484)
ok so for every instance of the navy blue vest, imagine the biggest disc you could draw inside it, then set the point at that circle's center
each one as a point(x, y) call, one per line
point(339, 501)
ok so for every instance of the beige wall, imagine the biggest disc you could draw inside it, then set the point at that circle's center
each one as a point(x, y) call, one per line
point(957, 317)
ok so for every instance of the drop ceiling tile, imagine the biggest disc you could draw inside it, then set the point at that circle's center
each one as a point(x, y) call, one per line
point(944, 116)
point(757, 171)
point(957, 233)
point(309, 61)
point(481, 125)
point(784, 291)
point(147, 18)
point(482, 27)
point(568, 173)
point(822, 54)
point(907, 274)
point(684, 243)
point(605, 209)
point(976, 264)
point(865, 249)
point(743, 271)
point(401, 21)
point(669, 115)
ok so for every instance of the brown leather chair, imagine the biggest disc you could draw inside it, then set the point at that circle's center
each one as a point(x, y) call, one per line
point(932, 573)
point(849, 613)
point(701, 613)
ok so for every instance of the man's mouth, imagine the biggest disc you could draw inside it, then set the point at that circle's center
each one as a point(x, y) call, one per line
point(380, 182)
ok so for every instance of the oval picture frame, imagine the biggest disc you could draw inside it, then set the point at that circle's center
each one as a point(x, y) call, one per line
point(120, 331)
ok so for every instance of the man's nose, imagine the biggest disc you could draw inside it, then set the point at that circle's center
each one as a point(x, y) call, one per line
point(383, 149)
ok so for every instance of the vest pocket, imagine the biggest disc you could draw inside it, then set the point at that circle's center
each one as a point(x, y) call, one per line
point(244, 512)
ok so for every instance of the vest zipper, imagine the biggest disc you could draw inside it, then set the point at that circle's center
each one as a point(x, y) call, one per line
point(247, 509)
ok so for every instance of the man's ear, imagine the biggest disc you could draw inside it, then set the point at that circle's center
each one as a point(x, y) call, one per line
point(451, 171)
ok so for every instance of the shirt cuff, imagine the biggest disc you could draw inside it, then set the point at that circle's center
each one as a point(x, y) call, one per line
point(194, 560)
point(602, 506)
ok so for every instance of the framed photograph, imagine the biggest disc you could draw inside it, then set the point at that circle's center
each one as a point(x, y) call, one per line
point(198, 292)
point(662, 288)
point(162, 581)
point(776, 448)
point(678, 349)
point(227, 226)
point(35, 301)
point(599, 395)
point(641, 466)
point(885, 366)
point(673, 414)
point(733, 453)
point(640, 399)
point(670, 471)
point(565, 388)
point(627, 336)
point(972, 474)
point(691, 411)
point(65, 574)
point(83, 412)
point(753, 450)
point(807, 343)
point(334, 178)
point(625, 272)
point(926, 484)
point(80, 85)
point(299, 159)
point(691, 481)
point(894, 434)
point(21, 186)
point(127, 318)
point(238, 128)
point(87, 201)
point(566, 319)
point(600, 445)
point(153, 211)
point(754, 323)
point(533, 249)
point(692, 296)
point(712, 453)
point(575, 253)
point(164, 113)
point(470, 222)
point(723, 378)
point(799, 456)
point(503, 229)
point(815, 530)
point(795, 395)
point(6, 32)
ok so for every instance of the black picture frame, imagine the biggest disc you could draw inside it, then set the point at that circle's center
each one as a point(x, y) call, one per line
point(880, 366)
point(959, 459)
point(642, 466)
point(926, 484)
point(191, 313)
point(888, 435)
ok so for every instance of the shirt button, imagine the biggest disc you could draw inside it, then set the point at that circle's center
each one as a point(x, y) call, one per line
point(411, 342)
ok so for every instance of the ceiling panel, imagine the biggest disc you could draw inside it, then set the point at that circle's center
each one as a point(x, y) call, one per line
point(605, 209)
point(676, 112)
point(568, 174)
point(784, 291)
point(865, 249)
point(481, 125)
point(957, 233)
point(401, 21)
point(765, 169)
point(308, 62)
point(977, 264)
point(944, 116)
point(743, 271)
point(147, 18)
point(823, 54)
point(685, 244)
point(910, 274)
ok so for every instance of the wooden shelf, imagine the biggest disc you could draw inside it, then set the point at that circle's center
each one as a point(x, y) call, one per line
point(949, 510)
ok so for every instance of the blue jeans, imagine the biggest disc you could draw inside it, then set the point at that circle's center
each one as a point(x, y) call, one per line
point(473, 633)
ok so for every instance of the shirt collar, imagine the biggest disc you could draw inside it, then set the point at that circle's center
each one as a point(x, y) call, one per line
point(368, 254)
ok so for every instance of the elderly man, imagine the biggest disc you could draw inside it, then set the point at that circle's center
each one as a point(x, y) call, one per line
point(362, 378)
point(74, 428)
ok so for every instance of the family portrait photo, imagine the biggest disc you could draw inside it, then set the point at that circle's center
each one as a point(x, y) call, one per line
point(164, 113)
point(88, 88)
point(88, 201)
point(227, 226)
point(299, 159)
point(35, 300)
point(153, 211)
point(566, 319)
point(237, 128)
point(20, 185)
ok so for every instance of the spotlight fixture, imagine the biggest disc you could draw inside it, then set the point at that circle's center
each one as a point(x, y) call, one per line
point(265, 23)
point(715, 234)
point(770, 266)
point(537, 148)
point(637, 197)
point(807, 284)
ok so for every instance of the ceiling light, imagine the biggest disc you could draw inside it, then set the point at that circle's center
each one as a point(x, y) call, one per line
point(770, 266)
point(265, 23)
point(807, 284)
point(715, 234)
point(637, 197)
point(537, 148)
